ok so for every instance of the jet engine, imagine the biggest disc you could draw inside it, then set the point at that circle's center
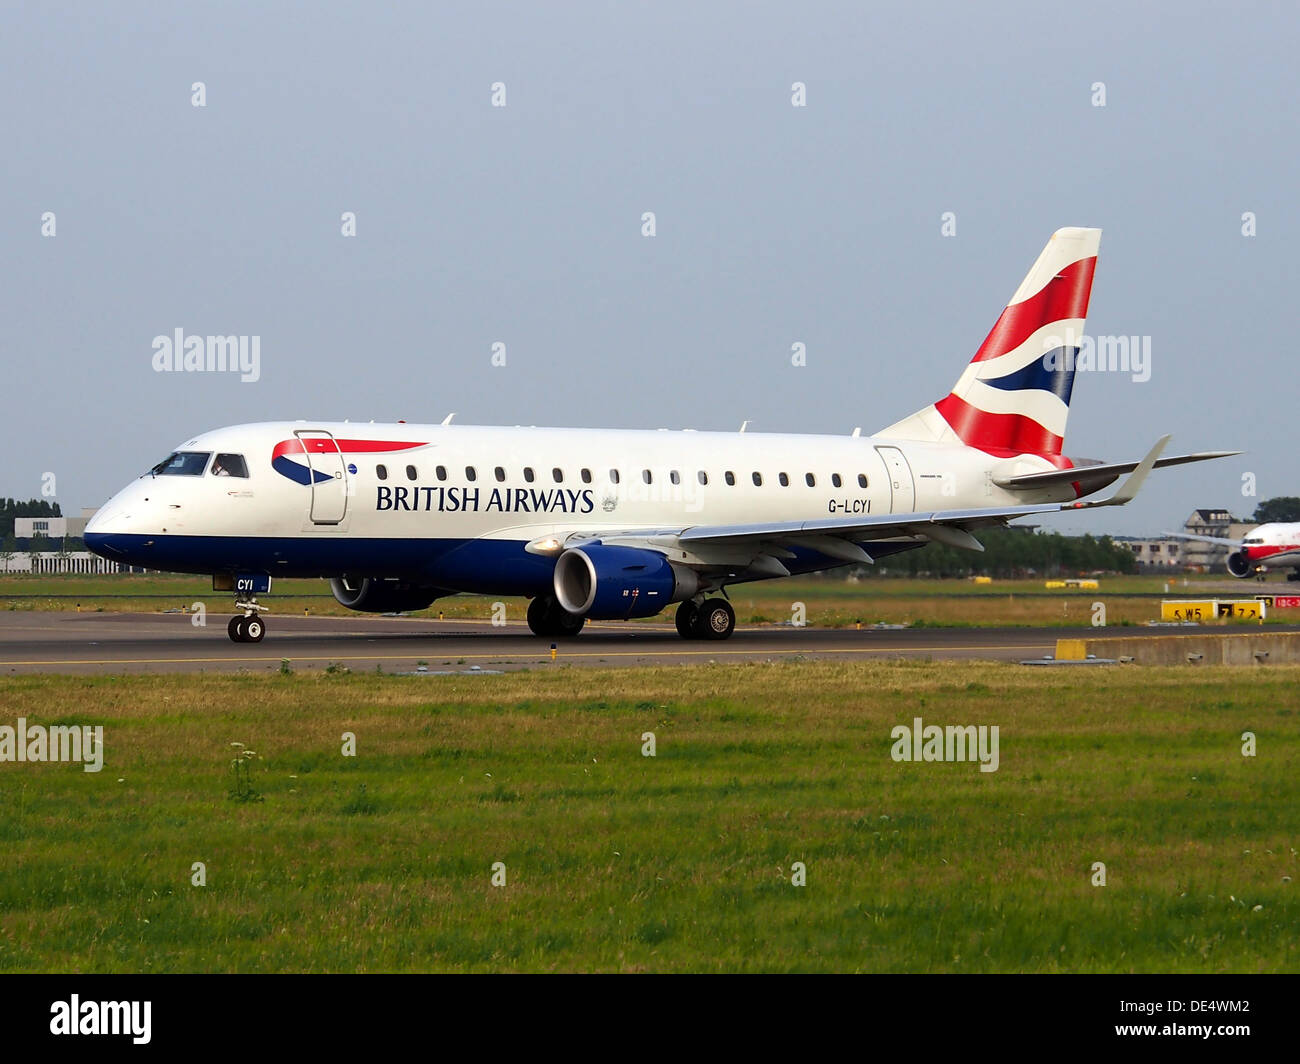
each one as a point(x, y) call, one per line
point(1239, 564)
point(374, 595)
point(607, 583)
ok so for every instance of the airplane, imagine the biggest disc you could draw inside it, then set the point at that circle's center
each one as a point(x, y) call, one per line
point(610, 525)
point(1275, 545)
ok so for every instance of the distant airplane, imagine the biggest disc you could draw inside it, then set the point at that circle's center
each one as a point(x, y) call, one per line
point(1275, 545)
point(596, 524)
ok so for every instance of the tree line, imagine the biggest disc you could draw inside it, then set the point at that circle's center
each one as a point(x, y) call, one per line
point(1285, 508)
point(1013, 552)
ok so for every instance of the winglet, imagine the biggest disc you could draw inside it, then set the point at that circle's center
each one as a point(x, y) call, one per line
point(1132, 483)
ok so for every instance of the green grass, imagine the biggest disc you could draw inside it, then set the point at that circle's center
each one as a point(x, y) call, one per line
point(682, 862)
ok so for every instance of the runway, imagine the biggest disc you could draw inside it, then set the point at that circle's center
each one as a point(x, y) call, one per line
point(105, 643)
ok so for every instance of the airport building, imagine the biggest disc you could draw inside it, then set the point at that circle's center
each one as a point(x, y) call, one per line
point(52, 528)
point(50, 562)
point(1168, 553)
point(49, 527)
point(1163, 552)
point(1207, 557)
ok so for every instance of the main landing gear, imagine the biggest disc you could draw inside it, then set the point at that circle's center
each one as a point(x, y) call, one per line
point(548, 618)
point(249, 627)
point(711, 619)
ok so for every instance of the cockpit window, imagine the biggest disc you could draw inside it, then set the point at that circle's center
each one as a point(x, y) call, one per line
point(229, 465)
point(182, 464)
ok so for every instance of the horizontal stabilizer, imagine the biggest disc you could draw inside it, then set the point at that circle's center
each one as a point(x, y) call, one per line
point(1104, 473)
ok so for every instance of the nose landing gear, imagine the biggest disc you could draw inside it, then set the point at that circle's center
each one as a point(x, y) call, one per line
point(249, 627)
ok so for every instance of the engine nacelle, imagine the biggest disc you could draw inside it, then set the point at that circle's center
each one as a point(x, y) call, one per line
point(374, 595)
point(1239, 565)
point(615, 583)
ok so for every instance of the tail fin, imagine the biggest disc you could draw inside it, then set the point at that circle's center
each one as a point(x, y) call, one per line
point(1015, 395)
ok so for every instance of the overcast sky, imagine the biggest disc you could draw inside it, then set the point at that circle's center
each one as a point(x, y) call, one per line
point(522, 224)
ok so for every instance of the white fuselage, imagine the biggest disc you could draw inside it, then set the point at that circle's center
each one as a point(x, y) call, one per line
point(399, 499)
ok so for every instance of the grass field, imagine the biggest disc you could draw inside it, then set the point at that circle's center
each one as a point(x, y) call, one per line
point(677, 862)
point(830, 602)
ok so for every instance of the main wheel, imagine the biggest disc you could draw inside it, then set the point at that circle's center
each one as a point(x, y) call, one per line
point(686, 614)
point(235, 629)
point(549, 619)
point(715, 619)
point(539, 616)
point(254, 629)
point(567, 624)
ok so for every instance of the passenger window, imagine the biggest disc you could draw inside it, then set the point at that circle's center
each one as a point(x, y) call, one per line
point(785, 480)
point(410, 472)
point(229, 465)
point(470, 474)
point(862, 480)
point(528, 474)
point(810, 480)
point(441, 471)
point(613, 476)
point(837, 480)
point(675, 477)
point(381, 471)
point(586, 476)
point(557, 475)
point(758, 480)
point(730, 478)
point(499, 473)
point(703, 477)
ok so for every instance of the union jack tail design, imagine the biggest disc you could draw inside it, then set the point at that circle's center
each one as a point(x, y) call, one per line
point(1015, 395)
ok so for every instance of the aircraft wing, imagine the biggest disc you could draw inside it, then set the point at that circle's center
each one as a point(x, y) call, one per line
point(757, 549)
point(1207, 539)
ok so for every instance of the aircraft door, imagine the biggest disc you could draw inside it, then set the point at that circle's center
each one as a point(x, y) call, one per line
point(329, 476)
point(902, 489)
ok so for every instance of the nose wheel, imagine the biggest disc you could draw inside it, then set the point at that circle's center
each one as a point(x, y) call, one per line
point(248, 628)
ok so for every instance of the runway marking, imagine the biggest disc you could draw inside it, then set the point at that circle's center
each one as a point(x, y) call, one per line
point(508, 659)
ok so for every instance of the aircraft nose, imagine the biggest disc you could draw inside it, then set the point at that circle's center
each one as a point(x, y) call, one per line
point(100, 536)
point(100, 543)
point(108, 532)
point(103, 519)
point(112, 516)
